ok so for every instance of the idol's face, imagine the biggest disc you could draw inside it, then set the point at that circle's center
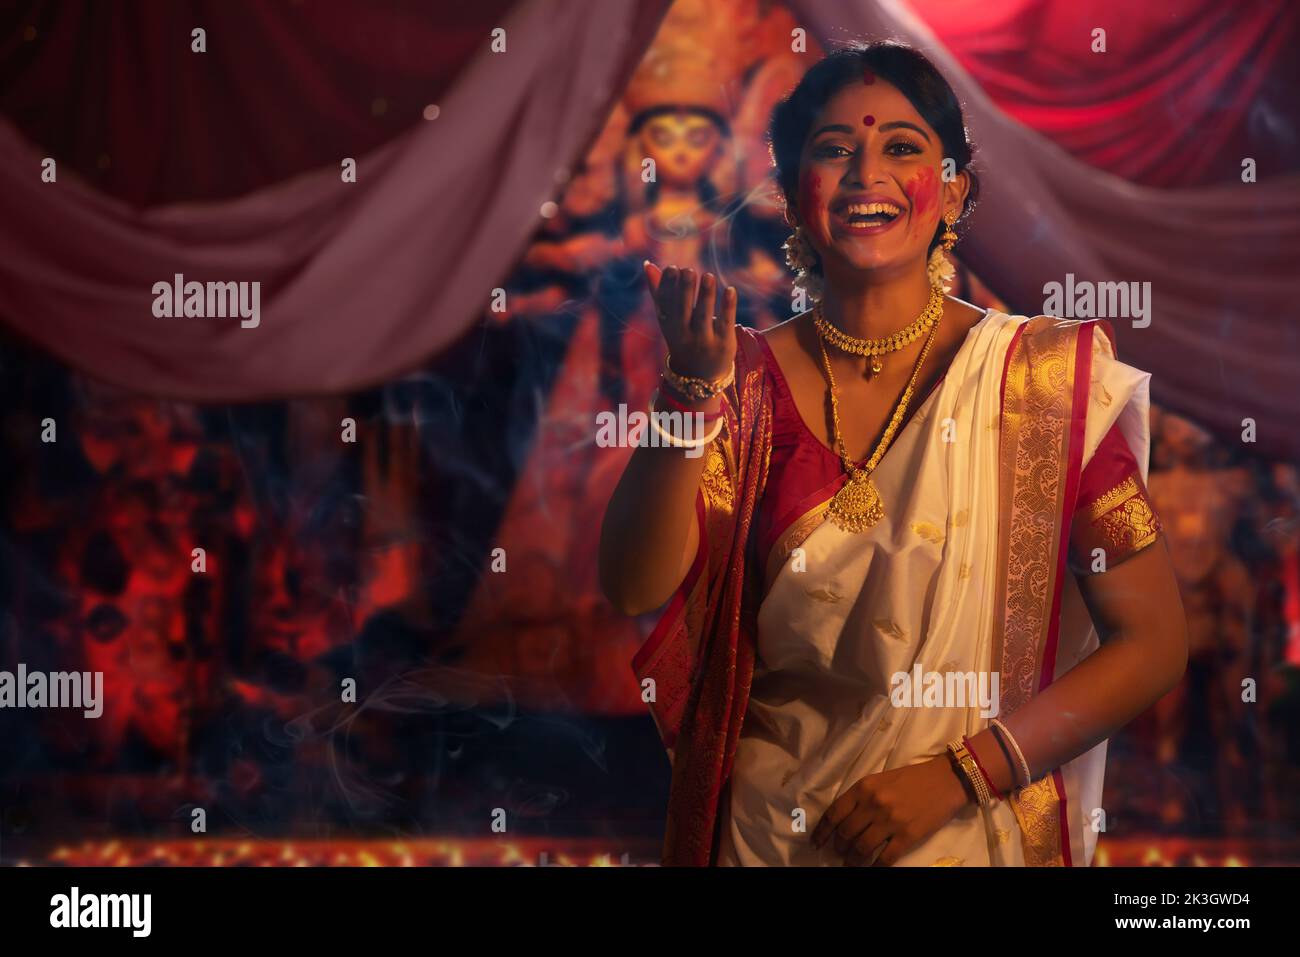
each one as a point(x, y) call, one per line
point(684, 146)
point(871, 189)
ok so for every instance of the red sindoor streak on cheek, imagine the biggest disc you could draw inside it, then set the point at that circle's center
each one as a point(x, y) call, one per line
point(923, 192)
point(810, 191)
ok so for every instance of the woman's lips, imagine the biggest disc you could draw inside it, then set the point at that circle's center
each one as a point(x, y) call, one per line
point(864, 229)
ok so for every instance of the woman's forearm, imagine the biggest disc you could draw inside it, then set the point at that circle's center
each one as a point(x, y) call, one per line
point(1142, 658)
point(649, 525)
point(649, 533)
point(1074, 714)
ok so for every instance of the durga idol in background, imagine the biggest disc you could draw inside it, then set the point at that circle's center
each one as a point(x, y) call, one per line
point(893, 481)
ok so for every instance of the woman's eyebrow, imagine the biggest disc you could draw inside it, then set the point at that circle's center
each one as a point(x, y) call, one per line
point(833, 128)
point(883, 128)
point(902, 124)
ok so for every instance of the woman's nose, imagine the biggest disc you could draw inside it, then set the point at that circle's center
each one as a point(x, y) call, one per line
point(868, 167)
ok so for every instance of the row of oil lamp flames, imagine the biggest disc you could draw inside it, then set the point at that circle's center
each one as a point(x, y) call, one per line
point(541, 852)
point(451, 852)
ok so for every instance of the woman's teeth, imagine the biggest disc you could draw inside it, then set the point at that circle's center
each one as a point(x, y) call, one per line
point(870, 212)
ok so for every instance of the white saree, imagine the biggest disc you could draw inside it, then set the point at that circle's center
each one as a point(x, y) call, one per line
point(848, 611)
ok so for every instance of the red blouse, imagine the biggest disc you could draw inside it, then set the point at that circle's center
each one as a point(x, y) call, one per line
point(1113, 511)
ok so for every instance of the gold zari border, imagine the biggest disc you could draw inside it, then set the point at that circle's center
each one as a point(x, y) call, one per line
point(1120, 523)
point(1033, 461)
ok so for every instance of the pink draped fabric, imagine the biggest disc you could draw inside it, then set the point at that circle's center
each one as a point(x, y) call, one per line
point(1223, 342)
point(359, 281)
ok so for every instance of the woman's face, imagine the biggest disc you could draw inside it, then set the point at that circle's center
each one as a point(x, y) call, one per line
point(870, 145)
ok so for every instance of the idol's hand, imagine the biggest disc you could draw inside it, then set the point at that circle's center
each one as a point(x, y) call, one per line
point(898, 809)
point(701, 337)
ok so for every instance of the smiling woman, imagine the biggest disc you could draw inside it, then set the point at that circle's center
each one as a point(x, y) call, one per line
point(901, 484)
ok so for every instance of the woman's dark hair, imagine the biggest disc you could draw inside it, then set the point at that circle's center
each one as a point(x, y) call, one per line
point(901, 66)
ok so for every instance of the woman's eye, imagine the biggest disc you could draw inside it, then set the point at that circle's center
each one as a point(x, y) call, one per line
point(902, 148)
point(831, 151)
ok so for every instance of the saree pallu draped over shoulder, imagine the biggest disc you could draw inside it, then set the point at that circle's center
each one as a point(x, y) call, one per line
point(1037, 399)
point(697, 664)
point(1040, 458)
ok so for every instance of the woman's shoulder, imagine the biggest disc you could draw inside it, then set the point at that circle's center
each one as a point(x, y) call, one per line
point(761, 348)
point(965, 314)
point(1041, 338)
point(1048, 328)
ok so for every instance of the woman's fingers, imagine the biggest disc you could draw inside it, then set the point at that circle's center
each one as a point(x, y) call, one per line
point(840, 808)
point(725, 320)
point(685, 298)
point(697, 316)
point(653, 275)
point(665, 301)
point(848, 830)
point(868, 846)
point(702, 314)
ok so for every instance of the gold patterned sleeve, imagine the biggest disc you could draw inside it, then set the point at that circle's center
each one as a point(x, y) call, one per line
point(1114, 519)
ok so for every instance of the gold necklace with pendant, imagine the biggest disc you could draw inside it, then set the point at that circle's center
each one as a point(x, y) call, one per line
point(874, 349)
point(857, 506)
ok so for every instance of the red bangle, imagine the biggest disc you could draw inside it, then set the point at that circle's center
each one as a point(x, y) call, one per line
point(668, 400)
point(988, 780)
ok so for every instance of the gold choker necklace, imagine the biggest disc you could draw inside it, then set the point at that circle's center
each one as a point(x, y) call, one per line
point(875, 348)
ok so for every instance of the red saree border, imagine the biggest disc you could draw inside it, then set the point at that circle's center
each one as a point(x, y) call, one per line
point(796, 531)
point(673, 609)
point(670, 620)
point(701, 653)
point(1040, 450)
point(798, 511)
point(1078, 422)
point(1074, 470)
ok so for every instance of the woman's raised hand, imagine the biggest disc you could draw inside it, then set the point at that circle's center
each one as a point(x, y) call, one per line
point(701, 338)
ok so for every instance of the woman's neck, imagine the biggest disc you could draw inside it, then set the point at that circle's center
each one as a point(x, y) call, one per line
point(870, 311)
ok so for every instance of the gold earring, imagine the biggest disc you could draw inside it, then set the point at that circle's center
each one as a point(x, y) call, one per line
point(949, 238)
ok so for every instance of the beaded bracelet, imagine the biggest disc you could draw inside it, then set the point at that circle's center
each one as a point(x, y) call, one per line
point(695, 387)
point(976, 758)
point(972, 773)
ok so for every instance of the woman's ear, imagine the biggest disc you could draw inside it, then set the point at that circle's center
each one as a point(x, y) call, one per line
point(955, 192)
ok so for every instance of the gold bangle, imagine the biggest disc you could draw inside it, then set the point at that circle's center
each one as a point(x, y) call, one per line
point(971, 770)
point(694, 387)
point(1020, 755)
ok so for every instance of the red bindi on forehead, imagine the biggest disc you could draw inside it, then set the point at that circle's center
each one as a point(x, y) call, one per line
point(868, 120)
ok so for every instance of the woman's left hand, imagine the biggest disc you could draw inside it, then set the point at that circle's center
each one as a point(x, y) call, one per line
point(903, 806)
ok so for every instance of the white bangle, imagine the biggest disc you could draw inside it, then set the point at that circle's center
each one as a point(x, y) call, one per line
point(679, 443)
point(1010, 738)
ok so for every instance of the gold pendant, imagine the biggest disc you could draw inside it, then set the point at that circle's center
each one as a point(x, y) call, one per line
point(876, 365)
point(857, 505)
